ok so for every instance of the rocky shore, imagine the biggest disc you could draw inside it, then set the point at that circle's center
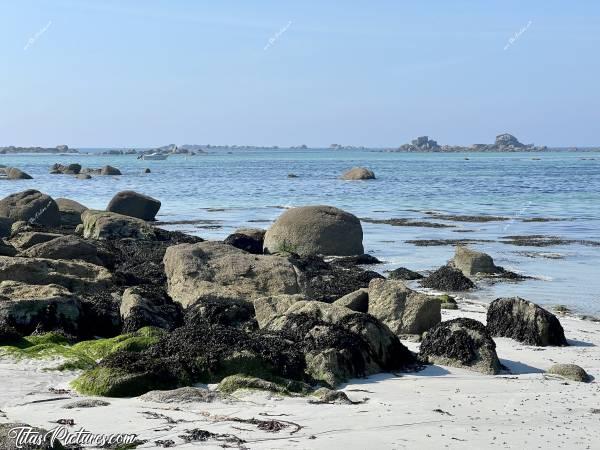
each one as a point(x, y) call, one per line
point(110, 305)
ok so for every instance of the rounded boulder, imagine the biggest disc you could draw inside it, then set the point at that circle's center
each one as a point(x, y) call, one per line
point(133, 204)
point(30, 206)
point(315, 230)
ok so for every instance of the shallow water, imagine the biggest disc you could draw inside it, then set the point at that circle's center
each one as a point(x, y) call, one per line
point(227, 189)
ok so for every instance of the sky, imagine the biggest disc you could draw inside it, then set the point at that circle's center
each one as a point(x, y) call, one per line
point(119, 73)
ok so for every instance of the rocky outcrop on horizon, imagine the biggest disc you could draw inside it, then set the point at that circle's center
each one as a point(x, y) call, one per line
point(58, 149)
point(504, 143)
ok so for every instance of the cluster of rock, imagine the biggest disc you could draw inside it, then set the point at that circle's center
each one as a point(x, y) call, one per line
point(261, 304)
point(58, 149)
point(83, 173)
point(504, 143)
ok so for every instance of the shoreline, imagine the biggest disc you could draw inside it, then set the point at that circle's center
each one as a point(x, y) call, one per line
point(437, 407)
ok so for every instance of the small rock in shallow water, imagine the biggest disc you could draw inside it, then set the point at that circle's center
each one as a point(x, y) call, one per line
point(358, 173)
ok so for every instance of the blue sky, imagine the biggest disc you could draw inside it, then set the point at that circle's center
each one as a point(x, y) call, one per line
point(376, 73)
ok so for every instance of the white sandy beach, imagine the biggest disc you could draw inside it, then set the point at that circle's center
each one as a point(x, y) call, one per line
point(440, 407)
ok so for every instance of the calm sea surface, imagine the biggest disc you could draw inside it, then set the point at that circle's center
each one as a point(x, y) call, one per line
point(227, 189)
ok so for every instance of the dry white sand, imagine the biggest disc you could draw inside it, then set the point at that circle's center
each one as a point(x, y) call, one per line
point(440, 407)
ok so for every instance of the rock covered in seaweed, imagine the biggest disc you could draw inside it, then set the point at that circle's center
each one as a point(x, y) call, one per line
point(525, 322)
point(447, 278)
point(461, 342)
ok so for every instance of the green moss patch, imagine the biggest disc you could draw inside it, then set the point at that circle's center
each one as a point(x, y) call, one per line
point(80, 356)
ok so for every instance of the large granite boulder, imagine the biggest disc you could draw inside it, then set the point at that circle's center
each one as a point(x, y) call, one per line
point(403, 310)
point(76, 276)
point(12, 173)
point(110, 225)
point(70, 211)
point(341, 343)
point(131, 203)
point(28, 307)
point(471, 262)
point(148, 306)
point(206, 269)
point(462, 342)
point(525, 322)
point(247, 239)
point(65, 247)
point(359, 173)
point(315, 230)
point(31, 206)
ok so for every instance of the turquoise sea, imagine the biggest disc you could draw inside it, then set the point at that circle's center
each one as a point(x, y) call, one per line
point(226, 189)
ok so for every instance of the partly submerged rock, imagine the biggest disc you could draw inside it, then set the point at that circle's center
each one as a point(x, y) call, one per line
point(403, 310)
point(315, 230)
point(402, 273)
point(12, 173)
point(525, 322)
point(447, 278)
point(471, 262)
point(359, 173)
point(134, 204)
point(569, 371)
point(31, 206)
point(110, 170)
point(216, 269)
point(461, 342)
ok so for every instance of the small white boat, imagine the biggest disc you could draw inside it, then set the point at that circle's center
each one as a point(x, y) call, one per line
point(154, 157)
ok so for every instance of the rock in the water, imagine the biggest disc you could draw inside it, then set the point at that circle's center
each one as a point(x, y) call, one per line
point(247, 239)
point(12, 173)
point(461, 342)
point(130, 203)
point(5, 226)
point(146, 170)
point(24, 240)
point(182, 395)
point(470, 262)
point(110, 170)
point(341, 343)
point(29, 307)
point(31, 206)
point(569, 371)
point(315, 230)
point(402, 273)
point(214, 269)
point(83, 176)
point(148, 306)
point(76, 276)
point(359, 173)
point(70, 169)
point(403, 310)
point(70, 211)
point(65, 247)
point(525, 322)
point(110, 225)
point(447, 278)
point(356, 301)
point(266, 308)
